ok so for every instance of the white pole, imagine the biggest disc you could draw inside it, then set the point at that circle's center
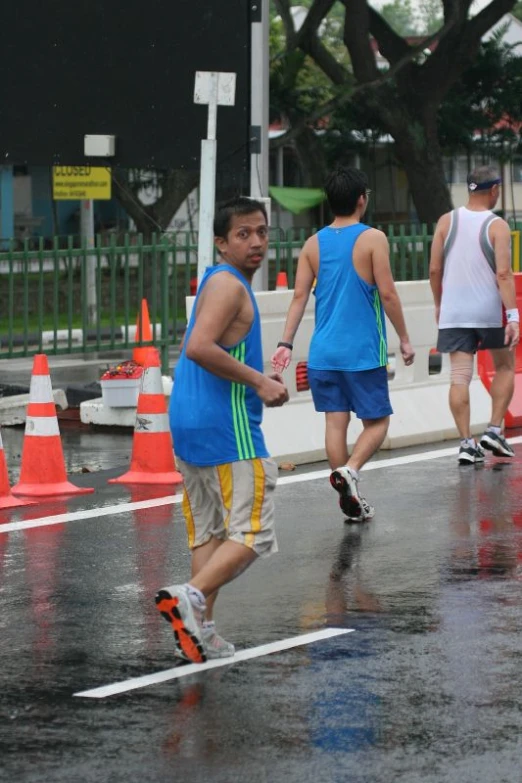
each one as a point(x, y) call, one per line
point(212, 88)
point(259, 93)
point(87, 234)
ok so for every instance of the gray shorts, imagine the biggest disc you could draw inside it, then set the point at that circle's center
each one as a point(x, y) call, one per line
point(470, 340)
point(234, 501)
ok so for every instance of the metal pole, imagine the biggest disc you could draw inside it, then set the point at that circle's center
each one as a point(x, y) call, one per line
point(259, 93)
point(87, 234)
point(6, 206)
point(207, 182)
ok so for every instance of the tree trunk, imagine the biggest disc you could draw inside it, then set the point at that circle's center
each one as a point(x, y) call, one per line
point(423, 164)
point(310, 153)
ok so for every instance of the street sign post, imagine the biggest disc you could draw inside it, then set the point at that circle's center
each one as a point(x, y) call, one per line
point(213, 89)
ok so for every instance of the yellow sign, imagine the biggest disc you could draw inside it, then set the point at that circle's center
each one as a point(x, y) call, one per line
point(80, 183)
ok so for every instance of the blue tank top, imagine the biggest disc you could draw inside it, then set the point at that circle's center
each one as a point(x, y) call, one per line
point(213, 420)
point(350, 331)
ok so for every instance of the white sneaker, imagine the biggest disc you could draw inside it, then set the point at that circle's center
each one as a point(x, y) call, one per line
point(215, 645)
point(350, 501)
point(176, 607)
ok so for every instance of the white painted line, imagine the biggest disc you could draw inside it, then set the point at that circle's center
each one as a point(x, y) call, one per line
point(90, 513)
point(198, 668)
point(124, 508)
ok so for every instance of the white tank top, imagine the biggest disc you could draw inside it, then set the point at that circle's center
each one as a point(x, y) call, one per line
point(470, 295)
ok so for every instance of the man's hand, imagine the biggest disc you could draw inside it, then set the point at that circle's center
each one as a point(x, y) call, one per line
point(407, 352)
point(437, 314)
point(281, 359)
point(512, 334)
point(273, 391)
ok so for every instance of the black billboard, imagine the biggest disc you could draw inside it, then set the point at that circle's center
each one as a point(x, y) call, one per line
point(121, 68)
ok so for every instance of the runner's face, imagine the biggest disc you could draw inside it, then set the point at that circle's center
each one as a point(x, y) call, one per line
point(246, 243)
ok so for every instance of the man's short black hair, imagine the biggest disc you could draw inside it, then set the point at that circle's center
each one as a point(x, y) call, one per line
point(241, 205)
point(344, 186)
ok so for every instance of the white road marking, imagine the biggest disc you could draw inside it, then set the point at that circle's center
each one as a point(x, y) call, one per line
point(197, 668)
point(90, 513)
point(123, 508)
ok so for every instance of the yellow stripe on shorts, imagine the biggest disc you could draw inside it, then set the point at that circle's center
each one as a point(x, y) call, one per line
point(257, 505)
point(189, 519)
point(226, 483)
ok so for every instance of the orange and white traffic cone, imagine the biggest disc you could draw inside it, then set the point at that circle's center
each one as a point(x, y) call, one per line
point(7, 500)
point(143, 334)
point(152, 460)
point(43, 468)
point(281, 282)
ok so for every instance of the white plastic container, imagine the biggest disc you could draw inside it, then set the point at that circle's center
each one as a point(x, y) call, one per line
point(120, 392)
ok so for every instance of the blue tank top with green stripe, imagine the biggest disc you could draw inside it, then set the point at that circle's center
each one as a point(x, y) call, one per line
point(213, 420)
point(350, 331)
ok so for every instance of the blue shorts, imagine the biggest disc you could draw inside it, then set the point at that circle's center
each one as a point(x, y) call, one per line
point(365, 392)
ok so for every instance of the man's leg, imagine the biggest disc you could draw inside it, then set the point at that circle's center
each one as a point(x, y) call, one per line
point(246, 489)
point(501, 391)
point(369, 441)
point(368, 395)
point(461, 374)
point(200, 557)
point(503, 384)
point(226, 563)
point(336, 436)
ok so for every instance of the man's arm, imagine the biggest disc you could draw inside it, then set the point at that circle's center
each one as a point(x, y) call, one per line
point(304, 280)
point(388, 292)
point(500, 236)
point(437, 263)
point(220, 305)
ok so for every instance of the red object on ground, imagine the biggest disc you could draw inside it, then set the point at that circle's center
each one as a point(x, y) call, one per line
point(193, 286)
point(43, 467)
point(486, 370)
point(301, 377)
point(7, 500)
point(152, 460)
point(129, 370)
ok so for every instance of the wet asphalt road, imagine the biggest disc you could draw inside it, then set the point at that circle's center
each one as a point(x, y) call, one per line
point(427, 688)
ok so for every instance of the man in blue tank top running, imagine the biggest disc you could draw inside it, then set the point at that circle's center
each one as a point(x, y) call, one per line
point(348, 352)
point(215, 415)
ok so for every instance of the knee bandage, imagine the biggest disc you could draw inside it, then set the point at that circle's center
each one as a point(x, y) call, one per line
point(461, 369)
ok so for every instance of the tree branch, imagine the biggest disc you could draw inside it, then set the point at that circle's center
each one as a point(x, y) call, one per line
point(318, 10)
point(326, 108)
point(283, 9)
point(487, 18)
point(391, 44)
point(357, 39)
point(457, 49)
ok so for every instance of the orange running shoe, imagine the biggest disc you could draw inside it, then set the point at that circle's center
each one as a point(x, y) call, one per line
point(176, 607)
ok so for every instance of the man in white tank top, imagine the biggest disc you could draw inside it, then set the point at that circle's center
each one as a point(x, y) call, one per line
point(471, 280)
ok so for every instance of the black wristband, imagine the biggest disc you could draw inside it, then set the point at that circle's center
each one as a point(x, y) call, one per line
point(285, 345)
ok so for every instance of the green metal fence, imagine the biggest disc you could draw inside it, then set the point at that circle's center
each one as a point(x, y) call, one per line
point(47, 292)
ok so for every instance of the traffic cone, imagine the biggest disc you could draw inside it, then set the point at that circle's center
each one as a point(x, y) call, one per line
point(143, 334)
point(152, 460)
point(43, 467)
point(7, 500)
point(281, 282)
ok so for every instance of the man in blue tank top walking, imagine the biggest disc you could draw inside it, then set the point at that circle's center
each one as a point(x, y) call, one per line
point(348, 352)
point(215, 414)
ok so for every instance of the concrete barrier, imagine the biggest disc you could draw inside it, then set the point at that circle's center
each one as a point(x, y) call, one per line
point(13, 409)
point(420, 400)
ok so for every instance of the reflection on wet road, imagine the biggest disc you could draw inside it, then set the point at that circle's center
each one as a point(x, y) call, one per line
point(426, 688)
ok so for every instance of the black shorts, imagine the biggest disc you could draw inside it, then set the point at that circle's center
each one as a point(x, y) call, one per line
point(470, 340)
